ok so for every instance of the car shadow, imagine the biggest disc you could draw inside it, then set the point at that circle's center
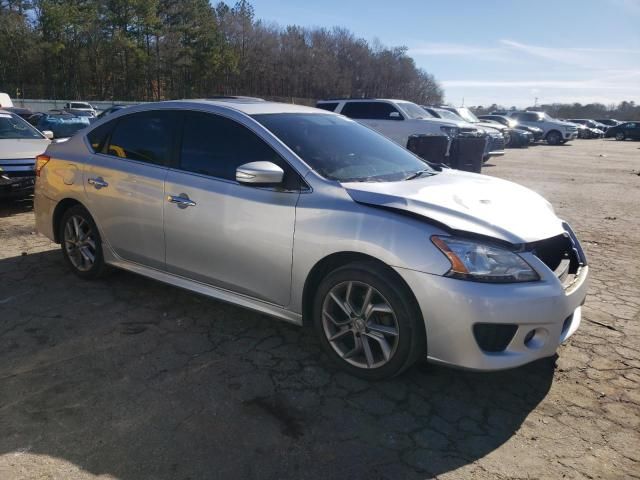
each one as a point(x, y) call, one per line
point(9, 207)
point(135, 379)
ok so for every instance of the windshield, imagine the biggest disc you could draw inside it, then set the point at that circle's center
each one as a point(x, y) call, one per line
point(341, 149)
point(414, 111)
point(447, 115)
point(62, 126)
point(468, 115)
point(13, 127)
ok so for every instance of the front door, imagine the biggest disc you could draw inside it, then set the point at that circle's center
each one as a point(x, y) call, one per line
point(221, 232)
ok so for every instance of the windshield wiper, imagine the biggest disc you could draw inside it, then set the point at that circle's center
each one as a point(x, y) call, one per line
point(419, 173)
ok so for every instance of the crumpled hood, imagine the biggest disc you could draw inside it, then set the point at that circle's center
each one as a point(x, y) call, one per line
point(467, 202)
point(22, 148)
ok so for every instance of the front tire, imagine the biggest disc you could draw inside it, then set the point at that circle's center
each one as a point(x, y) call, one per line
point(368, 321)
point(620, 136)
point(81, 243)
point(554, 138)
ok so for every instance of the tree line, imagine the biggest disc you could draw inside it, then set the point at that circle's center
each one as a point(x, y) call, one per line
point(149, 50)
point(625, 110)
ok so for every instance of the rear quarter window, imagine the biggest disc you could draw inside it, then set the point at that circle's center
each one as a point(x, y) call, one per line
point(99, 136)
point(330, 107)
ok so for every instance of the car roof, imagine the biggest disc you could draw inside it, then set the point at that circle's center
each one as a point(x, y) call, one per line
point(252, 107)
point(333, 100)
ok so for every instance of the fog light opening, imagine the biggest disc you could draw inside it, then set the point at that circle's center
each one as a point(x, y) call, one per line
point(535, 338)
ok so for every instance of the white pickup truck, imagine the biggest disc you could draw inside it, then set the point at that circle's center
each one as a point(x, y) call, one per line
point(398, 119)
point(555, 132)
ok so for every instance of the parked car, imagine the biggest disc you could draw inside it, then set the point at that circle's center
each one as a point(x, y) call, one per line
point(110, 110)
point(309, 216)
point(624, 131)
point(514, 137)
point(21, 112)
point(498, 134)
point(79, 107)
point(597, 128)
point(587, 133)
point(610, 122)
point(585, 130)
point(5, 100)
point(20, 143)
point(398, 119)
point(62, 125)
point(536, 132)
point(555, 132)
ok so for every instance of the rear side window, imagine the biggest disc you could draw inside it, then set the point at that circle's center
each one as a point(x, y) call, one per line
point(331, 107)
point(215, 146)
point(369, 110)
point(528, 117)
point(98, 136)
point(145, 136)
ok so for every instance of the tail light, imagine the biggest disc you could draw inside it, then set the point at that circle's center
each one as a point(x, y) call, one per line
point(41, 161)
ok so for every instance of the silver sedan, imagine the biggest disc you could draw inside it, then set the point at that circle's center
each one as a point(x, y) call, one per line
point(310, 217)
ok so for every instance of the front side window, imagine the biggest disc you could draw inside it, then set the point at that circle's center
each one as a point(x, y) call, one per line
point(12, 127)
point(216, 146)
point(414, 111)
point(341, 149)
point(144, 136)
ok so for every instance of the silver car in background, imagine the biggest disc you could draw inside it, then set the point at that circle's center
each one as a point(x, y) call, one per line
point(310, 217)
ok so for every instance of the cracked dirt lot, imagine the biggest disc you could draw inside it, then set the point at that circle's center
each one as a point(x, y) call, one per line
point(127, 378)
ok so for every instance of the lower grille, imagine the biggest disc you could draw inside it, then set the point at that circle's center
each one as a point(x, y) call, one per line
point(18, 167)
point(494, 337)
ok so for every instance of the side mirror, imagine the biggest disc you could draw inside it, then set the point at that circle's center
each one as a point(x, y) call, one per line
point(48, 134)
point(259, 173)
point(395, 116)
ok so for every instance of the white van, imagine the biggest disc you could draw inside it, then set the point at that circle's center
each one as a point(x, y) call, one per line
point(5, 100)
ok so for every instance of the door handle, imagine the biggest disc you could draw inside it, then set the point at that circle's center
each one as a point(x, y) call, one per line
point(182, 200)
point(98, 183)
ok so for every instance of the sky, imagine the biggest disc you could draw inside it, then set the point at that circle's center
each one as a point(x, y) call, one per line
point(507, 52)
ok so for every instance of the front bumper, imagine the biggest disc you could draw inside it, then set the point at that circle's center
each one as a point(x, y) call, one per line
point(570, 135)
point(452, 307)
point(12, 187)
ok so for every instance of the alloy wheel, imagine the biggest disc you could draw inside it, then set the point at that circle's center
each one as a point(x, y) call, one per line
point(360, 324)
point(619, 136)
point(80, 243)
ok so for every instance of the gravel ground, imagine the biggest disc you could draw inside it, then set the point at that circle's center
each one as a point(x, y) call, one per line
point(131, 379)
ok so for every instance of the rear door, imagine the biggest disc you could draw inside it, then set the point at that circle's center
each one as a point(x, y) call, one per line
point(229, 235)
point(124, 183)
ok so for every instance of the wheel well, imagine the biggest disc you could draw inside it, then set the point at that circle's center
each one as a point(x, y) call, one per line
point(61, 207)
point(330, 263)
point(553, 131)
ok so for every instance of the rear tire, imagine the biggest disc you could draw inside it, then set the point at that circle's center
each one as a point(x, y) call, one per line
point(368, 321)
point(81, 243)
